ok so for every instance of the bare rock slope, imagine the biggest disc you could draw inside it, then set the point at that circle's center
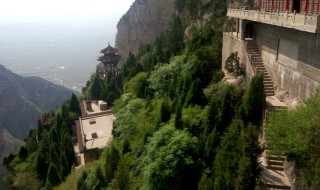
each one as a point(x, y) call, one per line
point(142, 23)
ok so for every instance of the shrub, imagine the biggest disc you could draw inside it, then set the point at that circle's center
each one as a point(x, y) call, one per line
point(233, 64)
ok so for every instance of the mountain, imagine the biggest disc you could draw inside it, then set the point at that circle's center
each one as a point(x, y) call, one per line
point(24, 99)
point(142, 24)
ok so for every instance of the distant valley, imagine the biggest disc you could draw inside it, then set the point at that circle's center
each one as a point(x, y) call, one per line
point(60, 51)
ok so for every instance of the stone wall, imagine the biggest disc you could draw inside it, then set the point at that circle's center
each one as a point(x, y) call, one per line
point(233, 44)
point(142, 24)
point(291, 57)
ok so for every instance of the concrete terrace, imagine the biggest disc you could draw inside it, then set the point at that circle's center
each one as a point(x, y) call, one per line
point(97, 130)
point(93, 130)
point(302, 22)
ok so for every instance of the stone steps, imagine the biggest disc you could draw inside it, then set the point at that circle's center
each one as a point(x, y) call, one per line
point(273, 174)
point(272, 186)
point(258, 64)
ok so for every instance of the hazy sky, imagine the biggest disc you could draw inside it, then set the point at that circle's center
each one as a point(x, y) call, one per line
point(41, 9)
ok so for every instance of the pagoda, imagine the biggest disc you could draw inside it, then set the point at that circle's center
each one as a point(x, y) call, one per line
point(110, 59)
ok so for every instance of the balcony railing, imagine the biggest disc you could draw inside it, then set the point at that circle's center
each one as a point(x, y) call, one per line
point(303, 22)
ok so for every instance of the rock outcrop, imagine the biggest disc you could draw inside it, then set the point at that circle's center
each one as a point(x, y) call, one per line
point(142, 23)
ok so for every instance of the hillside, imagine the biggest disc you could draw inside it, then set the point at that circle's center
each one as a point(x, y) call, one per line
point(23, 100)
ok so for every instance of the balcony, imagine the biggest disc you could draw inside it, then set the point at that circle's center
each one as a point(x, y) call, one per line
point(302, 22)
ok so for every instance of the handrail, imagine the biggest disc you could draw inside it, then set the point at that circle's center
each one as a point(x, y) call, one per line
point(303, 22)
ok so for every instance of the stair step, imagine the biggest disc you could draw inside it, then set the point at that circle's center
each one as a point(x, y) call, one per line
point(269, 89)
point(272, 186)
point(275, 157)
point(276, 163)
point(276, 168)
point(269, 94)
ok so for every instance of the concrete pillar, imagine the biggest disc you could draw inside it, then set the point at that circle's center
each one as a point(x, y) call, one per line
point(242, 28)
point(237, 27)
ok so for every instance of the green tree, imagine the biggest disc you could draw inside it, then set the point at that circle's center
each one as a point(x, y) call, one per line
point(254, 100)
point(137, 85)
point(233, 64)
point(226, 161)
point(122, 177)
point(248, 168)
point(95, 88)
point(53, 175)
point(111, 162)
point(205, 183)
point(75, 105)
point(81, 185)
point(169, 161)
point(23, 152)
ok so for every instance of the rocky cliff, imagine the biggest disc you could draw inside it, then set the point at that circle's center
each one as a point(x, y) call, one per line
point(142, 23)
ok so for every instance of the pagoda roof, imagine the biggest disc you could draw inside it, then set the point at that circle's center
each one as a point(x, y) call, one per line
point(103, 58)
point(109, 50)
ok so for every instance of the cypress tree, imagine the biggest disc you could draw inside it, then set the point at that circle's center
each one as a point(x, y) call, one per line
point(254, 100)
point(53, 175)
point(95, 88)
point(111, 162)
point(74, 104)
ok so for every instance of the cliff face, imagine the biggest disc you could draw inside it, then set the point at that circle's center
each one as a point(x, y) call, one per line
point(142, 23)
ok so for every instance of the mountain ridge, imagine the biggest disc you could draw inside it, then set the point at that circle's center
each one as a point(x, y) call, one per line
point(36, 93)
point(23, 100)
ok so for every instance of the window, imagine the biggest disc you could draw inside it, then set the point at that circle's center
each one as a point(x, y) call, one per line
point(92, 121)
point(94, 135)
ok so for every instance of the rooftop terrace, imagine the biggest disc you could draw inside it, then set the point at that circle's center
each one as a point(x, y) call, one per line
point(97, 130)
point(302, 22)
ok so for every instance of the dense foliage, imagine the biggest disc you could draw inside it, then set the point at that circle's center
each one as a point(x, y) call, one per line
point(47, 156)
point(178, 126)
point(295, 134)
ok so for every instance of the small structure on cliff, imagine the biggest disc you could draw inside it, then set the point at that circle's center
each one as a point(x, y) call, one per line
point(110, 59)
point(93, 130)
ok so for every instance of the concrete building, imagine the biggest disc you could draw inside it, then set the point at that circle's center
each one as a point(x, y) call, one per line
point(281, 39)
point(93, 129)
point(283, 45)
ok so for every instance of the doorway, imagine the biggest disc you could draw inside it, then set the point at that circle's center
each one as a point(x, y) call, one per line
point(296, 6)
point(249, 30)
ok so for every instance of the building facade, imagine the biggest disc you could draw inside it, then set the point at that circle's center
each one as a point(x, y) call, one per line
point(286, 40)
point(93, 130)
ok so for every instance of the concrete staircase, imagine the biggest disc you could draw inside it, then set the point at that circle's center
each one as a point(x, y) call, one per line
point(275, 162)
point(258, 64)
point(273, 174)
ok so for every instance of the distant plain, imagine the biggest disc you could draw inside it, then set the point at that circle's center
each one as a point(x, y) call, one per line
point(63, 51)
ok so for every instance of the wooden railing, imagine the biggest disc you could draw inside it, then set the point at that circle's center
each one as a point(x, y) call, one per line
point(303, 22)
